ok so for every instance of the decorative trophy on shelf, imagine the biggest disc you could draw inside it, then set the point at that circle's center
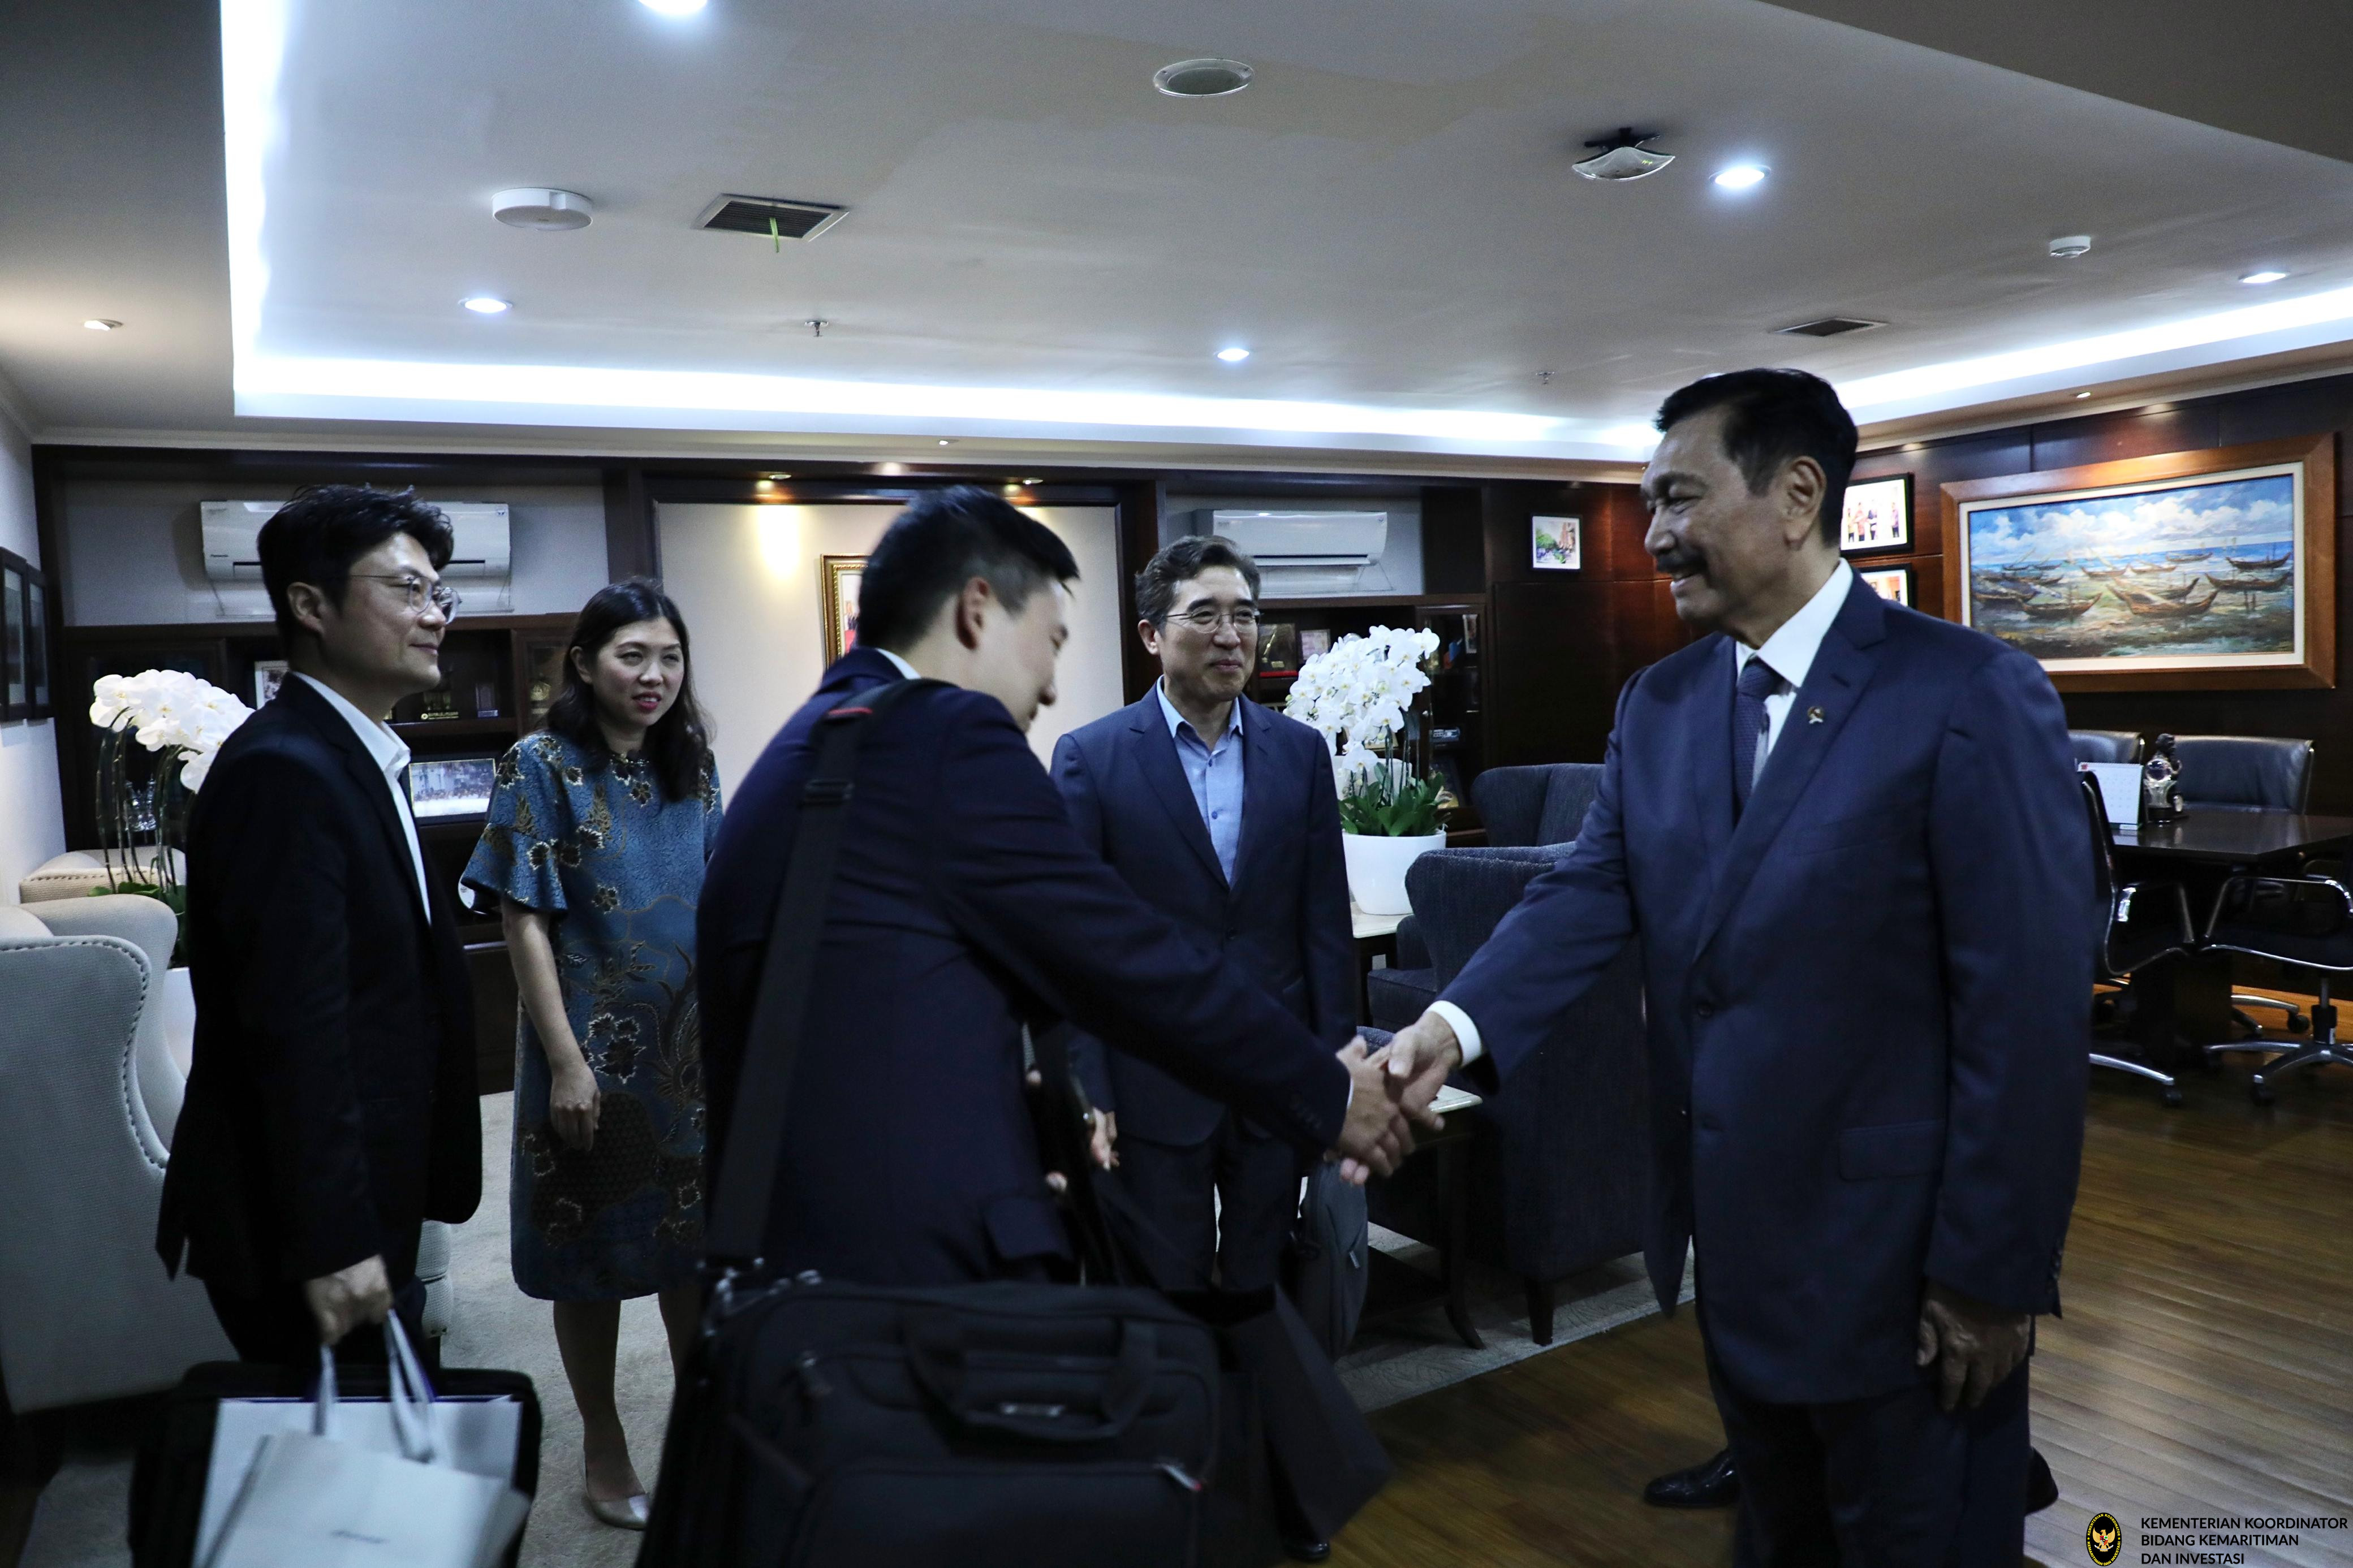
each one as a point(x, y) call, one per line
point(2160, 782)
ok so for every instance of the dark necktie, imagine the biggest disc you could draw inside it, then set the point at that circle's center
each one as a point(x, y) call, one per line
point(1757, 682)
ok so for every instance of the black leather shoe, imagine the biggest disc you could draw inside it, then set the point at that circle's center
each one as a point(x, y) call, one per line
point(2041, 1491)
point(1711, 1485)
point(1306, 1548)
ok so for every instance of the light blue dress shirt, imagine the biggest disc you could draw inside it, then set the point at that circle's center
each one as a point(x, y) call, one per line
point(1216, 775)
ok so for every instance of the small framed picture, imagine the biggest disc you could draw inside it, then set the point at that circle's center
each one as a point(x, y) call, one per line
point(15, 699)
point(268, 674)
point(451, 786)
point(1557, 544)
point(37, 701)
point(842, 575)
point(542, 678)
point(1313, 640)
point(1893, 583)
point(1878, 515)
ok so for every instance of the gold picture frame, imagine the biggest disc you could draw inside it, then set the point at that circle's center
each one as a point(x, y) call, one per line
point(2186, 571)
point(840, 577)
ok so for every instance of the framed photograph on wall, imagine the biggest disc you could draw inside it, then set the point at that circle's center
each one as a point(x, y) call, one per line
point(840, 575)
point(1557, 544)
point(1890, 583)
point(15, 697)
point(39, 702)
point(1878, 515)
point(268, 674)
point(543, 679)
point(2188, 570)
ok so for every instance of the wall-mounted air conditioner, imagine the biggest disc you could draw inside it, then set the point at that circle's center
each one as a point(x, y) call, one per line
point(233, 527)
point(1303, 553)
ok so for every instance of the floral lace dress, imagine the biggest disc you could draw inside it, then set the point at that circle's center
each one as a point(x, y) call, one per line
point(621, 867)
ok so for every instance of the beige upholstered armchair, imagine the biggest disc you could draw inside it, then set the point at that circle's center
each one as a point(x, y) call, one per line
point(88, 1096)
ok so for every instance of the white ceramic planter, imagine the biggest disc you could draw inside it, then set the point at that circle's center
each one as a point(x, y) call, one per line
point(1376, 869)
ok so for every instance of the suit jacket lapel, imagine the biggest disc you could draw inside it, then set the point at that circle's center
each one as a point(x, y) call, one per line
point(1155, 753)
point(1841, 670)
point(1259, 763)
point(337, 731)
point(1711, 773)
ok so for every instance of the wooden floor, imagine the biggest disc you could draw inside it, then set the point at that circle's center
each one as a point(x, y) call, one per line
point(2204, 1366)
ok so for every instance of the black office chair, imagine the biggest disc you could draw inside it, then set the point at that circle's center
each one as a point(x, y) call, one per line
point(2302, 922)
point(2141, 923)
point(2104, 745)
point(2247, 773)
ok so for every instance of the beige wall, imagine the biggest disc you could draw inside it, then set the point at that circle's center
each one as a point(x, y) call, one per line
point(32, 822)
point(746, 579)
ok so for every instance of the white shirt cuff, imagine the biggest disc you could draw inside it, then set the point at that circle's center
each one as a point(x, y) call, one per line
point(1466, 1033)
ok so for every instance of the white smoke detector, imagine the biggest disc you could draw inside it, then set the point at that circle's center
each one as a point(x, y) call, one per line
point(2068, 246)
point(537, 206)
point(1623, 157)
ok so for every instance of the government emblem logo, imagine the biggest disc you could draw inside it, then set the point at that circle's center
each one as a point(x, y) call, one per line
point(2103, 1539)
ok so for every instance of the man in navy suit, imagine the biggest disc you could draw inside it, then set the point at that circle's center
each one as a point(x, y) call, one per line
point(1848, 838)
point(1220, 814)
point(965, 909)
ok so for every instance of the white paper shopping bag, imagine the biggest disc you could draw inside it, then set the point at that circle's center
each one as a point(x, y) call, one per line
point(316, 1500)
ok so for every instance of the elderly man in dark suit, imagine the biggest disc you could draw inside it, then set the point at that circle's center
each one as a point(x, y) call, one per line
point(1222, 815)
point(330, 1107)
point(965, 910)
point(1850, 837)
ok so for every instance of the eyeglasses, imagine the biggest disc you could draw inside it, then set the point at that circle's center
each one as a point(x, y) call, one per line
point(1207, 619)
point(440, 596)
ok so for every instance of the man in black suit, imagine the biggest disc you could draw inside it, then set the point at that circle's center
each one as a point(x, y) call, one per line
point(1850, 838)
point(965, 908)
point(331, 1108)
point(1221, 815)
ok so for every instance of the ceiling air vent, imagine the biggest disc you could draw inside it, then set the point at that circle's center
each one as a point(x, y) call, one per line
point(1826, 327)
point(770, 217)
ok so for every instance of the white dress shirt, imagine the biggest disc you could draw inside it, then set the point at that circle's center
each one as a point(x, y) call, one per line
point(388, 753)
point(1789, 653)
point(900, 664)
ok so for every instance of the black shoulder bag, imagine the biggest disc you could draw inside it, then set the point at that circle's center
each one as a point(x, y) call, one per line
point(825, 1424)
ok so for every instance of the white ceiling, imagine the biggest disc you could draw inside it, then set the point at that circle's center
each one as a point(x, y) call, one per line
point(1386, 218)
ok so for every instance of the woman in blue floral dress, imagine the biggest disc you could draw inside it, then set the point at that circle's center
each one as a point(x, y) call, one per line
point(599, 829)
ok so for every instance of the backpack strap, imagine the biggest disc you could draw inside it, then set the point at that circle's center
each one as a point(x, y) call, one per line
point(747, 1174)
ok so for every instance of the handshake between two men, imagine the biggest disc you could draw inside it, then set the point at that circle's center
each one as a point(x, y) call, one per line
point(1390, 1090)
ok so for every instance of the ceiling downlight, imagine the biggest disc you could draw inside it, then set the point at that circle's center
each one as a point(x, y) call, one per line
point(1828, 327)
point(1202, 78)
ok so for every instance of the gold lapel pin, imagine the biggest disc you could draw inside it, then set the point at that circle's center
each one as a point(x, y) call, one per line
point(1814, 715)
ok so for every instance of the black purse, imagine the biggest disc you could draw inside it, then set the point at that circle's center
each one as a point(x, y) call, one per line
point(825, 1424)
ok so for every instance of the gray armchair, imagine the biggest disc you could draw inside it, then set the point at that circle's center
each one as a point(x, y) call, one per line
point(1558, 1181)
point(1521, 807)
point(87, 1096)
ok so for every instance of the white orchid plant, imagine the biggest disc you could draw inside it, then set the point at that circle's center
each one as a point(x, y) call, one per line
point(183, 720)
point(1356, 693)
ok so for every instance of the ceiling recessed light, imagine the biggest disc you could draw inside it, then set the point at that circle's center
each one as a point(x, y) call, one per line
point(101, 325)
point(2266, 276)
point(947, 441)
point(1233, 355)
point(486, 304)
point(1622, 156)
point(674, 7)
point(2068, 246)
point(1740, 176)
point(2080, 396)
point(1202, 79)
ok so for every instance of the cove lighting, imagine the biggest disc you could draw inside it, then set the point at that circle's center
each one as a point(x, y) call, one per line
point(1233, 355)
point(2265, 276)
point(2312, 319)
point(673, 7)
point(1740, 176)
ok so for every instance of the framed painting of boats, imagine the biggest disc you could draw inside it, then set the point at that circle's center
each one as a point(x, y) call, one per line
point(2187, 570)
